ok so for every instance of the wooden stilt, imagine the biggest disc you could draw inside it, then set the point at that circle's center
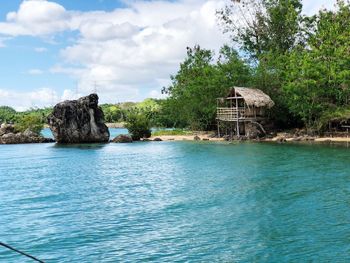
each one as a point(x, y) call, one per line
point(218, 128)
point(237, 116)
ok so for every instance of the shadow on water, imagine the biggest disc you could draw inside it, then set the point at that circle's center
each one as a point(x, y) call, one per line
point(80, 146)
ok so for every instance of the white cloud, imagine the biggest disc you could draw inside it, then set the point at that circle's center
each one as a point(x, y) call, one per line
point(126, 50)
point(22, 100)
point(35, 17)
point(311, 7)
point(35, 71)
point(39, 98)
point(156, 94)
point(129, 52)
point(142, 43)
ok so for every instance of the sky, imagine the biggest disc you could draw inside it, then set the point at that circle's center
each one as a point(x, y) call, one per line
point(125, 50)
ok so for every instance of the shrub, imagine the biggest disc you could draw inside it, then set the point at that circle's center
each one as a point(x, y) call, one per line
point(31, 122)
point(138, 126)
point(7, 114)
point(171, 132)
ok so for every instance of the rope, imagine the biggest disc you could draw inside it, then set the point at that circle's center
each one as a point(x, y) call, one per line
point(20, 252)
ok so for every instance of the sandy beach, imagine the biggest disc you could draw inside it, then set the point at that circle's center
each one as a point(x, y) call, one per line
point(208, 137)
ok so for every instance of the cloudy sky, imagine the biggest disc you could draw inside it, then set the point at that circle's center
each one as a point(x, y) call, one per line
point(123, 49)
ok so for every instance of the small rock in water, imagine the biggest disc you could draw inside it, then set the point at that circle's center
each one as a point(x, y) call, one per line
point(122, 138)
point(78, 121)
point(157, 139)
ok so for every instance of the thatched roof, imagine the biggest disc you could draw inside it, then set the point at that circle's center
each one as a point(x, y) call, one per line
point(253, 97)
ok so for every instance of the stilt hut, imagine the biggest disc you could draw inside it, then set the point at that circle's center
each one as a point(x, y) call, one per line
point(242, 109)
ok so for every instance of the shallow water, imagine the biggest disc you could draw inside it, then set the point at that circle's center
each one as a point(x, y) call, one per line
point(112, 131)
point(175, 202)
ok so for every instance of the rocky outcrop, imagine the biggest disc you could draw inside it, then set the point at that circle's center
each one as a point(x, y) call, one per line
point(78, 121)
point(122, 138)
point(8, 135)
point(6, 128)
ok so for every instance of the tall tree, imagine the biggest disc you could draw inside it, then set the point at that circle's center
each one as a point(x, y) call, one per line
point(318, 77)
point(267, 31)
point(200, 81)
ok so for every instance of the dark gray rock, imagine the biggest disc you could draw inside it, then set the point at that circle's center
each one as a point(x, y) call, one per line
point(28, 136)
point(157, 139)
point(78, 121)
point(122, 138)
point(6, 128)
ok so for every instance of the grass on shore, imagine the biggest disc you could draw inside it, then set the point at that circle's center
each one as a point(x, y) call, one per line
point(171, 132)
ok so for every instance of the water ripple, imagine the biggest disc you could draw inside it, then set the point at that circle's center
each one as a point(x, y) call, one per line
point(175, 202)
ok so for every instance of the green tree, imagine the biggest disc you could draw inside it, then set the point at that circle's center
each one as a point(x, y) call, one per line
point(112, 113)
point(267, 31)
point(32, 122)
point(263, 26)
point(318, 78)
point(138, 126)
point(7, 114)
point(199, 81)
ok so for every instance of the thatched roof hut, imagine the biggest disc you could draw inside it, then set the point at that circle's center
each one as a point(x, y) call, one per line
point(245, 107)
point(252, 97)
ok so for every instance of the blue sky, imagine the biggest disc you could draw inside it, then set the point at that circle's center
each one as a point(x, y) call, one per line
point(125, 49)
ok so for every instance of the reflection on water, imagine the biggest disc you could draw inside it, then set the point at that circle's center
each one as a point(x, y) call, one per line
point(81, 146)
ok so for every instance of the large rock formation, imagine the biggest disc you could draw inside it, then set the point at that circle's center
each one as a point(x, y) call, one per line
point(78, 121)
point(9, 135)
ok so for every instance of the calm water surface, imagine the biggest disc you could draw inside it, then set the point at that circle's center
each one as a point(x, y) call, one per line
point(175, 202)
point(112, 131)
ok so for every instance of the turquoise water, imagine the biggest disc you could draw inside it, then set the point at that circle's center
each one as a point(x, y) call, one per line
point(176, 202)
point(113, 132)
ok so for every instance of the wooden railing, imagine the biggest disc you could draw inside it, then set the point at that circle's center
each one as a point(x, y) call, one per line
point(230, 114)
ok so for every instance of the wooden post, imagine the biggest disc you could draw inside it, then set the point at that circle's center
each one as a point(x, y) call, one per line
point(218, 128)
point(237, 115)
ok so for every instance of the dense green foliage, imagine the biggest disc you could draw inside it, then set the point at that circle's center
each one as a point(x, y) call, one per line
point(153, 109)
point(138, 126)
point(199, 82)
point(302, 62)
point(31, 121)
point(318, 79)
point(34, 119)
point(7, 114)
point(112, 113)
